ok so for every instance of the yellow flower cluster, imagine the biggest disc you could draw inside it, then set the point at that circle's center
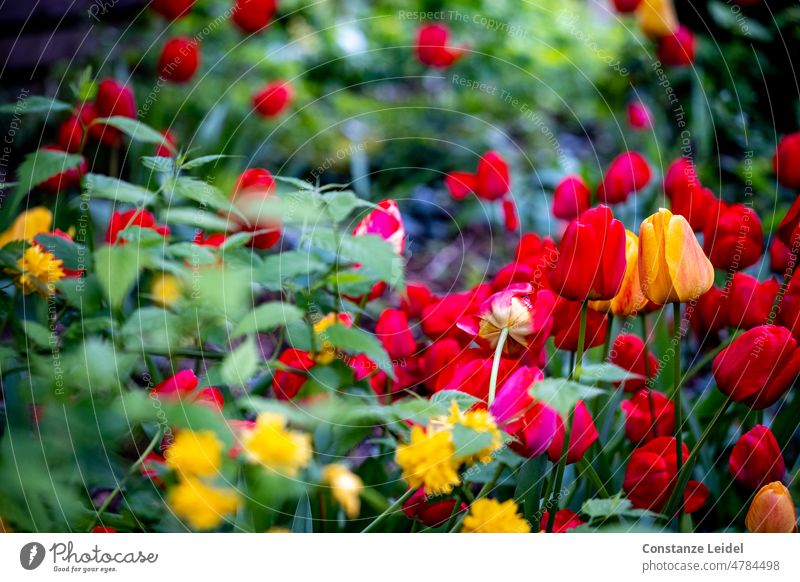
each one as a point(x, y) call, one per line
point(166, 290)
point(39, 270)
point(197, 455)
point(326, 352)
point(345, 486)
point(271, 444)
point(491, 516)
point(430, 459)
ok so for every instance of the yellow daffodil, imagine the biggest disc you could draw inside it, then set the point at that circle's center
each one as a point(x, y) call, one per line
point(345, 486)
point(427, 461)
point(672, 265)
point(202, 506)
point(772, 510)
point(491, 516)
point(39, 271)
point(630, 299)
point(166, 289)
point(271, 444)
point(657, 18)
point(27, 225)
point(196, 454)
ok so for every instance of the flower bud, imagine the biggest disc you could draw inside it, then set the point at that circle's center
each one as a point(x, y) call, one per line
point(252, 16)
point(581, 438)
point(179, 59)
point(571, 198)
point(677, 49)
point(772, 511)
point(786, 161)
point(395, 335)
point(750, 301)
point(641, 410)
point(734, 240)
point(629, 172)
point(433, 49)
point(628, 353)
point(273, 99)
point(756, 458)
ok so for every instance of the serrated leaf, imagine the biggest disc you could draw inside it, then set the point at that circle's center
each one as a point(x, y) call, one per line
point(117, 269)
point(463, 400)
point(202, 160)
point(616, 506)
point(370, 252)
point(607, 372)
point(236, 241)
point(72, 255)
point(267, 317)
point(161, 164)
point(297, 182)
point(241, 364)
point(469, 442)
point(117, 190)
point(341, 203)
point(203, 193)
point(562, 394)
point(36, 104)
point(356, 341)
point(135, 129)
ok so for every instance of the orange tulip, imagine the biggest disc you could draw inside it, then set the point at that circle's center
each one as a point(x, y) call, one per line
point(657, 18)
point(672, 265)
point(630, 299)
point(772, 511)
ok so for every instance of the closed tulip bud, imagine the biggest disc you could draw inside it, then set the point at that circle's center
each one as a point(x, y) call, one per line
point(789, 306)
point(772, 511)
point(417, 297)
point(433, 49)
point(591, 261)
point(581, 438)
point(629, 172)
point(750, 301)
point(657, 18)
point(780, 257)
point(252, 16)
point(628, 353)
point(756, 458)
point(734, 240)
point(564, 521)
point(494, 180)
point(287, 383)
point(699, 207)
point(672, 266)
point(571, 198)
point(115, 99)
point(681, 175)
point(786, 161)
point(179, 59)
point(70, 134)
point(567, 322)
point(395, 335)
point(440, 318)
point(758, 367)
point(510, 215)
point(430, 512)
point(172, 9)
point(511, 274)
point(648, 415)
point(677, 50)
point(122, 220)
point(650, 477)
point(639, 116)
point(710, 313)
point(273, 99)
point(630, 299)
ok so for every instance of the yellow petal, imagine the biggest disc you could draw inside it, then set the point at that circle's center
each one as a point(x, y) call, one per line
point(653, 271)
point(691, 272)
point(657, 18)
point(27, 225)
point(772, 511)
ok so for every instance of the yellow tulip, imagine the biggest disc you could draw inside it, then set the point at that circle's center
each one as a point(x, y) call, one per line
point(772, 511)
point(630, 299)
point(672, 265)
point(27, 225)
point(657, 18)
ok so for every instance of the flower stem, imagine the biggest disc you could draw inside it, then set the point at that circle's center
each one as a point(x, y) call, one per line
point(607, 341)
point(676, 395)
point(388, 511)
point(498, 353)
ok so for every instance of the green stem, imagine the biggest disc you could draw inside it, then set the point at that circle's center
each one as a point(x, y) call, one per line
point(498, 354)
point(676, 394)
point(388, 511)
point(607, 341)
point(113, 495)
point(586, 467)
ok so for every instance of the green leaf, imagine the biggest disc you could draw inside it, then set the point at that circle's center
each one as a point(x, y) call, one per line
point(97, 185)
point(73, 255)
point(371, 252)
point(562, 394)
point(341, 203)
point(241, 364)
point(222, 292)
point(37, 167)
point(607, 372)
point(463, 400)
point(117, 269)
point(135, 129)
point(36, 332)
point(302, 520)
point(267, 317)
point(298, 183)
point(468, 442)
point(202, 160)
point(616, 506)
point(236, 241)
point(277, 269)
point(195, 217)
point(35, 104)
point(161, 164)
point(356, 341)
point(203, 193)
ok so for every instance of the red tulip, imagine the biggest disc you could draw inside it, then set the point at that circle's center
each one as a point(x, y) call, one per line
point(439, 318)
point(363, 366)
point(628, 353)
point(709, 313)
point(681, 176)
point(433, 49)
point(431, 513)
point(172, 9)
point(640, 412)
point(473, 371)
point(122, 220)
point(438, 361)
point(416, 298)
point(70, 134)
point(750, 301)
point(591, 261)
point(567, 322)
point(650, 477)
point(395, 335)
point(252, 16)
point(626, 6)
point(69, 178)
point(583, 435)
point(252, 186)
point(786, 161)
point(511, 274)
point(756, 458)
point(287, 383)
point(386, 222)
point(564, 521)
point(540, 255)
point(115, 99)
point(209, 240)
point(105, 134)
point(677, 50)
point(273, 99)
point(571, 198)
point(780, 257)
point(179, 59)
point(163, 150)
point(788, 231)
point(491, 181)
point(758, 367)
point(639, 116)
point(629, 172)
point(735, 240)
point(699, 207)
point(510, 216)
point(177, 386)
point(789, 307)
